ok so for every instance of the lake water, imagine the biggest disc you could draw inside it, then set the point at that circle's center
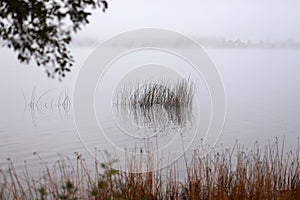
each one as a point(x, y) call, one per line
point(262, 91)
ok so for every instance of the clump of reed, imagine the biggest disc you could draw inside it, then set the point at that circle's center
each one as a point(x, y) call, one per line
point(236, 173)
point(156, 104)
point(165, 93)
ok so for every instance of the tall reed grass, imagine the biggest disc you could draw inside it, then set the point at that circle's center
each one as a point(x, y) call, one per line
point(165, 93)
point(237, 173)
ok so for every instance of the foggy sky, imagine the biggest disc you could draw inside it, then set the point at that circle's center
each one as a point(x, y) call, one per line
point(268, 20)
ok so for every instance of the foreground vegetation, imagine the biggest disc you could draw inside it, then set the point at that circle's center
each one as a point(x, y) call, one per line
point(237, 173)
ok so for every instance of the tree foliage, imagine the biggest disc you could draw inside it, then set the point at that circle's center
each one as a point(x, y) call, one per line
point(42, 29)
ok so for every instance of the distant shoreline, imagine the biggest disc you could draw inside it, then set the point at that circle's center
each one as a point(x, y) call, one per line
point(206, 42)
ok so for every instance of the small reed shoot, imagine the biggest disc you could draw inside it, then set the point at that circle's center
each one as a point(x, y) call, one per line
point(48, 101)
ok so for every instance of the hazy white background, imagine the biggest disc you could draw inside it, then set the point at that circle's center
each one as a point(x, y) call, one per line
point(262, 85)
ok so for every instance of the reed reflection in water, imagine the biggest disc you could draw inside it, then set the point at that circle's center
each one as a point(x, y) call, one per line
point(155, 108)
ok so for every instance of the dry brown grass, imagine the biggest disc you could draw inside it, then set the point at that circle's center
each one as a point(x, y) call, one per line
point(236, 173)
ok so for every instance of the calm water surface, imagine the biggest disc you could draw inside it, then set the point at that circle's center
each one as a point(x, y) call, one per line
point(262, 88)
